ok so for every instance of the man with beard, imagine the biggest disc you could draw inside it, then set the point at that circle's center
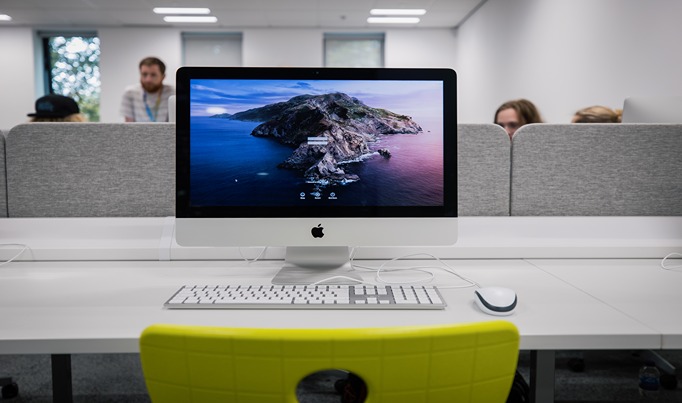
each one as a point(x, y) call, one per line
point(148, 102)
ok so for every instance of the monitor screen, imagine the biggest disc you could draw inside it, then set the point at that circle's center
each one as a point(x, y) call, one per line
point(316, 157)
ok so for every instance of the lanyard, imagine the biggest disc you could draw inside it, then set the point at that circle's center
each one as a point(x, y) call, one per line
point(152, 116)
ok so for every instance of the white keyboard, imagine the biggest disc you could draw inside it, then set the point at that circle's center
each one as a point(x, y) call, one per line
point(305, 297)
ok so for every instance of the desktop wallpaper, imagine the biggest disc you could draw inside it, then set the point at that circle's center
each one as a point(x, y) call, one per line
point(316, 143)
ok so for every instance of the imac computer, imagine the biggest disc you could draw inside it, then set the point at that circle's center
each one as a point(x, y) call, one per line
point(650, 109)
point(317, 160)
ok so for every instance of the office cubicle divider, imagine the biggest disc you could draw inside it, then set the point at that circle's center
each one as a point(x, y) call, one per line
point(91, 170)
point(3, 177)
point(128, 169)
point(483, 170)
point(124, 169)
point(597, 170)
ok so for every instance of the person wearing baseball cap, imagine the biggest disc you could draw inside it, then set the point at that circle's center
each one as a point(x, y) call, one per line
point(57, 108)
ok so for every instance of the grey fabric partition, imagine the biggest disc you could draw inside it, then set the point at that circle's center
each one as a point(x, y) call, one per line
point(483, 161)
point(91, 170)
point(597, 170)
point(3, 177)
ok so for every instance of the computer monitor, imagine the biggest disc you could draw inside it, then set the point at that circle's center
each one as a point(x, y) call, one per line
point(318, 160)
point(171, 109)
point(652, 109)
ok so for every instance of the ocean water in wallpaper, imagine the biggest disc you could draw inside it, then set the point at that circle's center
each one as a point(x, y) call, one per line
point(293, 143)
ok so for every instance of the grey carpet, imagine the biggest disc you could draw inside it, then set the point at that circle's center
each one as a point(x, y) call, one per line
point(609, 376)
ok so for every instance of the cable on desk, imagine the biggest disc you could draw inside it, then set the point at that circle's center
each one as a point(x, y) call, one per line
point(348, 278)
point(324, 280)
point(423, 269)
point(254, 259)
point(670, 255)
point(381, 280)
point(166, 241)
point(21, 245)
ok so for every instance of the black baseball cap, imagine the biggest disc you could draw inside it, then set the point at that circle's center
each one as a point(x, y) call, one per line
point(55, 106)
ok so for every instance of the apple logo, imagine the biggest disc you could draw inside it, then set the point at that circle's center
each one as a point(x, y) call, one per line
point(317, 231)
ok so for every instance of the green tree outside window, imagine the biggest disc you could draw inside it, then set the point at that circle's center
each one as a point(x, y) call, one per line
point(74, 71)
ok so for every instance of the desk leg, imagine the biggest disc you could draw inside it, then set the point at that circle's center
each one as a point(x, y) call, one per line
point(542, 364)
point(61, 378)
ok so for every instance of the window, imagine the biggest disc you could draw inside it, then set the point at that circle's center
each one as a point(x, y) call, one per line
point(354, 50)
point(71, 68)
point(212, 49)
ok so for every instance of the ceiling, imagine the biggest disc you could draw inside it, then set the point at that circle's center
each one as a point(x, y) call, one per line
point(230, 13)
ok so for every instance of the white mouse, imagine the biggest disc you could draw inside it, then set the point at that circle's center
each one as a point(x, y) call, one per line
point(498, 301)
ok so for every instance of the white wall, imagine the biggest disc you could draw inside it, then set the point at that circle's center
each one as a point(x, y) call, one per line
point(411, 48)
point(17, 81)
point(561, 54)
point(282, 48)
point(123, 48)
point(567, 54)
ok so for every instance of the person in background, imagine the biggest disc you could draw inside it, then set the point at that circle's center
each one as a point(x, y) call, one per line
point(598, 114)
point(148, 100)
point(57, 108)
point(511, 115)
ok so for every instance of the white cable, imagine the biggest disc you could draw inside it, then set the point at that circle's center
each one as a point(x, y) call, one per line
point(669, 255)
point(21, 245)
point(352, 254)
point(357, 280)
point(166, 241)
point(341, 277)
point(429, 278)
point(423, 269)
point(256, 258)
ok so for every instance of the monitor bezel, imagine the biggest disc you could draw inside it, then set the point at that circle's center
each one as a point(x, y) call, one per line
point(184, 75)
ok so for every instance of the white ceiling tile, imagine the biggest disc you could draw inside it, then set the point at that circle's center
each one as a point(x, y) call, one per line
point(241, 13)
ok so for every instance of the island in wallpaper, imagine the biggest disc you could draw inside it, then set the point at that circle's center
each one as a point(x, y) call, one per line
point(357, 143)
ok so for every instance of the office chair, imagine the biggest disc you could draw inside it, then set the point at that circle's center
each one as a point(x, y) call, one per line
point(472, 362)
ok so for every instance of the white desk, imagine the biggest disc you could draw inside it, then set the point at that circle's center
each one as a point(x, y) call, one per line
point(89, 307)
point(639, 288)
point(63, 308)
point(92, 285)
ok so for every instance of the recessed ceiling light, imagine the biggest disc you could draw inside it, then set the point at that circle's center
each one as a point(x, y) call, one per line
point(190, 18)
point(181, 10)
point(393, 20)
point(5, 17)
point(397, 11)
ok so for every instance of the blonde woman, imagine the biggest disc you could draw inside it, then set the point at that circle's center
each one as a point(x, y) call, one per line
point(598, 114)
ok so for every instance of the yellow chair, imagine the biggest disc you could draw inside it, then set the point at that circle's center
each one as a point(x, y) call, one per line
point(473, 362)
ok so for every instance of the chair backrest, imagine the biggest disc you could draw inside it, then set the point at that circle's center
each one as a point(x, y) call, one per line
point(442, 363)
point(3, 177)
point(483, 161)
point(597, 170)
point(91, 170)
